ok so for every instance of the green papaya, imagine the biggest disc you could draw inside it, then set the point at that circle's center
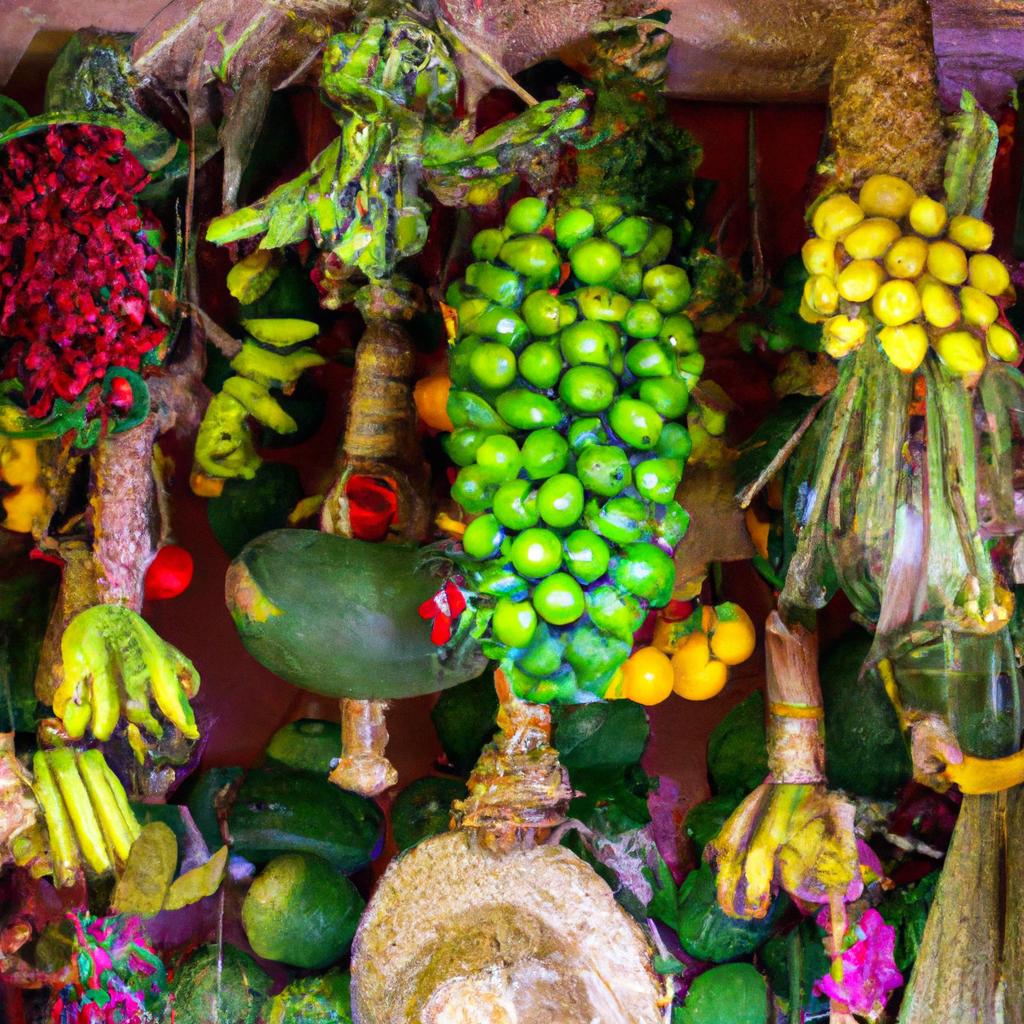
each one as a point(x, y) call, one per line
point(423, 809)
point(308, 745)
point(282, 811)
point(730, 994)
point(341, 617)
point(220, 984)
point(464, 718)
point(247, 508)
point(204, 791)
point(803, 945)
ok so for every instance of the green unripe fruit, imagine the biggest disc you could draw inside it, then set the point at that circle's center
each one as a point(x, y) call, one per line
point(560, 500)
point(646, 571)
point(657, 479)
point(606, 214)
point(690, 367)
point(658, 246)
point(648, 359)
point(493, 365)
point(515, 505)
point(558, 599)
point(634, 422)
point(526, 410)
point(568, 314)
point(604, 470)
point(587, 389)
point(629, 280)
point(504, 325)
point(514, 622)
point(630, 234)
point(545, 653)
point(499, 456)
point(643, 320)
point(499, 581)
point(542, 313)
point(536, 553)
point(459, 360)
point(668, 287)
point(667, 396)
point(545, 453)
point(470, 311)
point(473, 489)
point(679, 334)
point(541, 364)
point(586, 555)
point(456, 294)
point(574, 226)
point(487, 244)
point(483, 537)
point(533, 256)
point(505, 287)
point(585, 432)
point(619, 614)
point(599, 302)
point(589, 342)
point(595, 261)
point(462, 445)
point(468, 410)
point(621, 520)
point(526, 216)
point(674, 442)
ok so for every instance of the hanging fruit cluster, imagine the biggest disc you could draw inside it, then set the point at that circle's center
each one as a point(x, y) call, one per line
point(571, 371)
point(895, 260)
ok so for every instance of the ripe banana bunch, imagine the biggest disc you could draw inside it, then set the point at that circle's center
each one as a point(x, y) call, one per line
point(895, 264)
point(86, 809)
point(112, 657)
point(274, 355)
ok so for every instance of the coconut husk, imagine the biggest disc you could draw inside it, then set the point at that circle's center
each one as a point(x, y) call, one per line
point(458, 935)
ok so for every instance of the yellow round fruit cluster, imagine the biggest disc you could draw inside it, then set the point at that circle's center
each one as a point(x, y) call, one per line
point(895, 260)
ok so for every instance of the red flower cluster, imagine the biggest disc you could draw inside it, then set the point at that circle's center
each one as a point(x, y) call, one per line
point(74, 295)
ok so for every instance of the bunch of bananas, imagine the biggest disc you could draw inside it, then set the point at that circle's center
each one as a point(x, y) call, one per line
point(274, 354)
point(571, 374)
point(894, 262)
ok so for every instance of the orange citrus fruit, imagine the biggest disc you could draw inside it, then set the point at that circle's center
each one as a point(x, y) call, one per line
point(647, 676)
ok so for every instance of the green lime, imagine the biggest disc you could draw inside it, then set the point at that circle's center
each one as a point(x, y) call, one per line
point(690, 367)
point(643, 320)
point(598, 302)
point(533, 256)
point(456, 294)
point(616, 613)
point(505, 325)
point(541, 364)
point(544, 655)
point(657, 479)
point(536, 552)
point(470, 311)
point(621, 520)
point(595, 260)
point(474, 489)
point(635, 422)
point(590, 342)
point(560, 500)
point(497, 580)
point(493, 365)
point(499, 455)
point(515, 505)
point(459, 360)
point(461, 446)
point(630, 234)
point(573, 226)
point(679, 334)
point(595, 655)
point(487, 243)
point(587, 389)
point(674, 442)
point(483, 537)
point(668, 287)
point(514, 622)
point(558, 599)
point(629, 280)
point(618, 365)
point(586, 555)
point(526, 216)
point(568, 314)
point(505, 287)
point(542, 313)
point(606, 214)
point(586, 431)
point(658, 246)
point(646, 571)
point(301, 911)
point(667, 396)
point(526, 410)
point(468, 410)
point(545, 453)
point(648, 359)
point(604, 469)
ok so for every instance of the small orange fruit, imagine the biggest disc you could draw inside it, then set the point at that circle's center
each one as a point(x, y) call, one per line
point(431, 398)
point(734, 638)
point(647, 676)
point(702, 685)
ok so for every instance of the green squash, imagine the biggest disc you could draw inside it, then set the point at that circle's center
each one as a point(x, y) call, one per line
point(341, 617)
point(730, 994)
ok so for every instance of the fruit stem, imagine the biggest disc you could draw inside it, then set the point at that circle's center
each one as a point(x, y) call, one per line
point(363, 768)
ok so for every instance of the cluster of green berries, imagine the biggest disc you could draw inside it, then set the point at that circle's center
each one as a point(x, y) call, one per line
point(571, 371)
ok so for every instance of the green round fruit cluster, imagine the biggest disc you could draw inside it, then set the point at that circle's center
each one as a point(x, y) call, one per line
point(570, 373)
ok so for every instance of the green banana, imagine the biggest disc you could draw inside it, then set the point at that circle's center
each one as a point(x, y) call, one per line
point(274, 369)
point(224, 445)
point(91, 765)
point(260, 404)
point(80, 809)
point(63, 849)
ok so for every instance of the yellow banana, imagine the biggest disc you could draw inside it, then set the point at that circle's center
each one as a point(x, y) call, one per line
point(91, 764)
point(63, 849)
point(80, 809)
point(260, 404)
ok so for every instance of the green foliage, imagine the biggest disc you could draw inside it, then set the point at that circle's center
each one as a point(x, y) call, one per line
point(906, 910)
point(705, 820)
point(423, 809)
point(600, 735)
point(464, 718)
point(614, 798)
point(801, 948)
point(737, 754)
point(768, 439)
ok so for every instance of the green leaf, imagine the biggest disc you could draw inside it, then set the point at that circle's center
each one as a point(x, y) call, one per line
point(971, 156)
point(664, 905)
point(464, 717)
point(614, 798)
point(143, 886)
point(600, 735)
point(11, 112)
point(668, 964)
point(198, 883)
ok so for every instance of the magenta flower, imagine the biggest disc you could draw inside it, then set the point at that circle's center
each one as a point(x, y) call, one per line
point(864, 973)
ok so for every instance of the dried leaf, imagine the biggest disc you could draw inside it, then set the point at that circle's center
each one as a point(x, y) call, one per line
point(971, 156)
point(198, 883)
point(147, 875)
